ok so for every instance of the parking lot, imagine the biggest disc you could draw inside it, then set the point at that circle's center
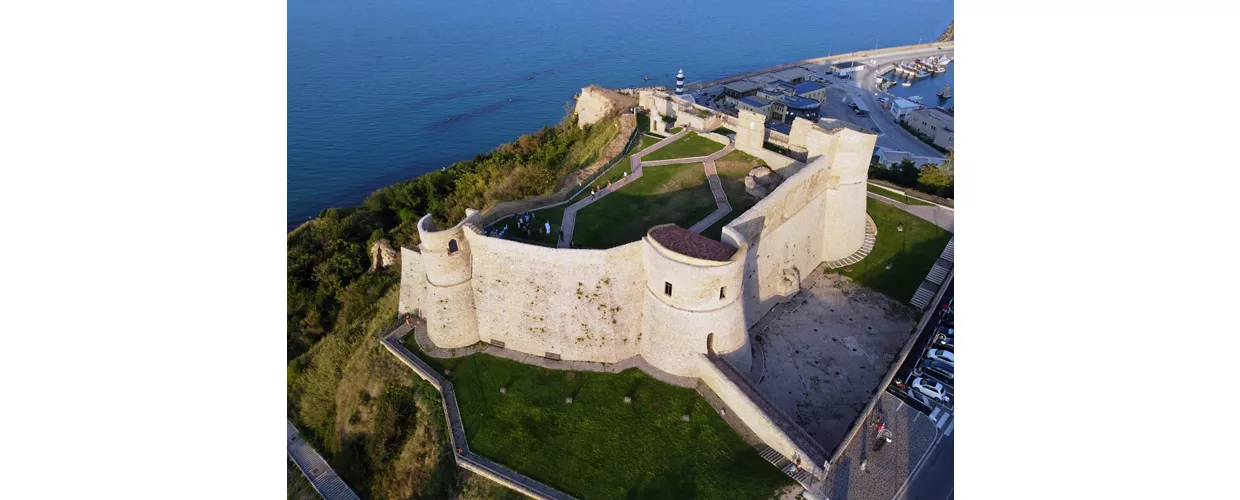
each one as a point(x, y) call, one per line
point(931, 364)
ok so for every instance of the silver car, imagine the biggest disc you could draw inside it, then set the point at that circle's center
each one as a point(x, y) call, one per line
point(930, 389)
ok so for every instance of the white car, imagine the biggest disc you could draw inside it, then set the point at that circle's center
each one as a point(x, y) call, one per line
point(883, 100)
point(941, 355)
point(930, 388)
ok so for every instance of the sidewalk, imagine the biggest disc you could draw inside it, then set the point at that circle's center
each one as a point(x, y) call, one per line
point(887, 470)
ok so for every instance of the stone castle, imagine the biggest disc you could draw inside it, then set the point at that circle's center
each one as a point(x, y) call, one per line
point(680, 301)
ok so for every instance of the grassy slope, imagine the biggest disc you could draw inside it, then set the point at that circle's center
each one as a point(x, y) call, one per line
point(887, 193)
point(912, 252)
point(598, 446)
point(686, 147)
point(299, 487)
point(733, 168)
point(621, 168)
point(670, 193)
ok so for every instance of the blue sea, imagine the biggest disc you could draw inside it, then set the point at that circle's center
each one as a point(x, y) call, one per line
point(381, 91)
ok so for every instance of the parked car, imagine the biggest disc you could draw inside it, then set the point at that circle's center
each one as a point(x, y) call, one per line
point(939, 369)
point(944, 337)
point(883, 100)
point(930, 388)
point(941, 355)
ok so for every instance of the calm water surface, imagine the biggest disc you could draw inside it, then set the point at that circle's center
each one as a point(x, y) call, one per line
point(382, 90)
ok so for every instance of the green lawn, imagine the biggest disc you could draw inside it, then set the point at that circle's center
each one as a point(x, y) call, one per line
point(724, 131)
point(674, 130)
point(689, 146)
point(669, 193)
point(625, 166)
point(598, 446)
point(733, 168)
point(911, 252)
point(881, 191)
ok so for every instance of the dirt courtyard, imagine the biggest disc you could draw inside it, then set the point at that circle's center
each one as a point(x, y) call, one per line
point(820, 356)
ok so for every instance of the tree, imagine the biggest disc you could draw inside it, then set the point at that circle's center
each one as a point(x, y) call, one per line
point(907, 173)
point(938, 179)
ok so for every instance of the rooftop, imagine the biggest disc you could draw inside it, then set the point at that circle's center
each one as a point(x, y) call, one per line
point(938, 114)
point(686, 242)
point(904, 104)
point(741, 86)
point(799, 102)
point(808, 87)
point(792, 73)
point(755, 101)
point(782, 85)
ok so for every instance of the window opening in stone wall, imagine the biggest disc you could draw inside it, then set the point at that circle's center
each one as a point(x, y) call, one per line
point(723, 292)
point(451, 247)
point(667, 289)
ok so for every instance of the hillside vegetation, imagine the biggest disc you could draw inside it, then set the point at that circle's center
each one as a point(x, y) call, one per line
point(381, 428)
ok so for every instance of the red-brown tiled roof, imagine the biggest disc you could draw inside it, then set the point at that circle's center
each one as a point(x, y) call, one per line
point(686, 242)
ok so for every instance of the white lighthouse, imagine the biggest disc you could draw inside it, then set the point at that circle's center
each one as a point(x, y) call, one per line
point(680, 82)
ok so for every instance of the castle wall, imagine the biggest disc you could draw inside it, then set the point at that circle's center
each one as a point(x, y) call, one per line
point(784, 231)
point(412, 283)
point(580, 304)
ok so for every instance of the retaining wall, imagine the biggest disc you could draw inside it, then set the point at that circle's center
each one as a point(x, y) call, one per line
point(766, 421)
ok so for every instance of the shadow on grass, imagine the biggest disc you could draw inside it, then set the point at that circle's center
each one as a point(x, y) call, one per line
point(625, 215)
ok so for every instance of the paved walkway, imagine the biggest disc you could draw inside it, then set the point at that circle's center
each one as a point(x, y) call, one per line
point(570, 213)
point(317, 471)
point(712, 177)
point(939, 216)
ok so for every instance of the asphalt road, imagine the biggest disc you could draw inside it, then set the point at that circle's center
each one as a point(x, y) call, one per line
point(892, 134)
point(936, 478)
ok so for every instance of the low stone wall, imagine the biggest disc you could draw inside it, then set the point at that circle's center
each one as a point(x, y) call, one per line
point(456, 427)
point(766, 421)
point(781, 164)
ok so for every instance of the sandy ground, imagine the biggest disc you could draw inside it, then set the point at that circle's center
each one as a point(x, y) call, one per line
point(821, 356)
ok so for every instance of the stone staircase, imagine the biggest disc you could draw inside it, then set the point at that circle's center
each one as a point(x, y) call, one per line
point(317, 471)
point(871, 234)
point(787, 467)
point(936, 276)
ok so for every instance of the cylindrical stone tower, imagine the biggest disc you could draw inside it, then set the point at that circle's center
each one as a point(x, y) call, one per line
point(848, 155)
point(693, 301)
point(450, 317)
